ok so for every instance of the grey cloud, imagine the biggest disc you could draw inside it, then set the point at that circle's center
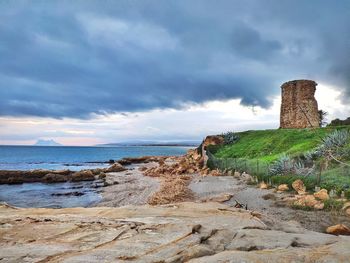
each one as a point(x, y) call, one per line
point(60, 60)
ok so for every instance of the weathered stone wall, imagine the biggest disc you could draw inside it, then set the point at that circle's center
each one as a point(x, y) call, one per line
point(299, 107)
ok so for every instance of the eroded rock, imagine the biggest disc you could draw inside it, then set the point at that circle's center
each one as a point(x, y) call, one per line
point(299, 187)
point(339, 229)
point(183, 232)
point(322, 195)
point(282, 187)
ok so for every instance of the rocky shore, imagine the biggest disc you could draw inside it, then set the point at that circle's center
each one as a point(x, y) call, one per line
point(173, 209)
point(183, 232)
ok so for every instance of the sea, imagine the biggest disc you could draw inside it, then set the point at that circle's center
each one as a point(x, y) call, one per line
point(65, 157)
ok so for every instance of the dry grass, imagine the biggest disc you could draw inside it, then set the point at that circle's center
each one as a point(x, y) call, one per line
point(173, 189)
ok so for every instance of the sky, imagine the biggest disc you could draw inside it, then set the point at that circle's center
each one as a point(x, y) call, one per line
point(92, 72)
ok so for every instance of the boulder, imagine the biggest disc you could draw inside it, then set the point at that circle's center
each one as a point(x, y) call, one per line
point(339, 229)
point(307, 200)
point(115, 168)
point(322, 195)
point(84, 175)
point(215, 172)
point(101, 176)
point(319, 206)
point(282, 187)
point(299, 187)
point(346, 208)
point(263, 185)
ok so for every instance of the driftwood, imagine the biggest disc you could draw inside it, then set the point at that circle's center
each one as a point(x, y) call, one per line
point(239, 205)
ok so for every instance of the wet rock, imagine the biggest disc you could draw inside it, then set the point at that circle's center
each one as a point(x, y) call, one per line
point(84, 175)
point(54, 178)
point(101, 176)
point(68, 194)
point(339, 229)
point(282, 187)
point(115, 168)
point(97, 171)
point(322, 195)
point(299, 187)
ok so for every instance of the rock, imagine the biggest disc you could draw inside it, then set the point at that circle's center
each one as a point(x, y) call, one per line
point(68, 194)
point(299, 187)
point(205, 171)
point(142, 159)
point(185, 232)
point(322, 195)
point(306, 200)
point(339, 229)
point(299, 107)
point(346, 208)
point(115, 168)
point(194, 154)
point(54, 178)
point(97, 171)
point(346, 205)
point(220, 198)
point(215, 172)
point(101, 176)
point(347, 211)
point(319, 206)
point(247, 178)
point(84, 175)
point(263, 185)
point(209, 140)
point(237, 175)
point(283, 187)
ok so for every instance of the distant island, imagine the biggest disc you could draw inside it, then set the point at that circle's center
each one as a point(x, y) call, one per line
point(47, 143)
point(152, 143)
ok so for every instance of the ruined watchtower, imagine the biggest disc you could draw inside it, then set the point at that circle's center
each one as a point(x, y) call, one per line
point(299, 107)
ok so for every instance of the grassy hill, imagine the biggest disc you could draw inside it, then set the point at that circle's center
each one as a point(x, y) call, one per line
point(256, 151)
point(268, 145)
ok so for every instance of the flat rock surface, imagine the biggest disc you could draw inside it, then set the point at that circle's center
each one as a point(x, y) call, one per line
point(192, 232)
point(129, 187)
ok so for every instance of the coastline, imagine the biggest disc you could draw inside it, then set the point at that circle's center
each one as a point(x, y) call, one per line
point(190, 221)
point(144, 180)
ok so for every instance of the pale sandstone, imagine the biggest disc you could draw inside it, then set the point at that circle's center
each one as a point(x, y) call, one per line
point(193, 232)
point(283, 187)
point(299, 187)
point(322, 195)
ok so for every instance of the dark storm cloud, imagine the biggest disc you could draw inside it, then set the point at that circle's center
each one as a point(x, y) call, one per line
point(63, 59)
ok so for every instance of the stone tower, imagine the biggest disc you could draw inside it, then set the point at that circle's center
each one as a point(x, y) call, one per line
point(299, 107)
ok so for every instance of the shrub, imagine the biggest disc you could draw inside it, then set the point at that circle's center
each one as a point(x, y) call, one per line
point(333, 204)
point(230, 138)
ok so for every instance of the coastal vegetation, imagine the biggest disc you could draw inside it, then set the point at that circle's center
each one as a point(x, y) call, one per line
point(319, 157)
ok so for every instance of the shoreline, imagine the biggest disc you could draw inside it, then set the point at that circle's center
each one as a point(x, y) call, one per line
point(145, 180)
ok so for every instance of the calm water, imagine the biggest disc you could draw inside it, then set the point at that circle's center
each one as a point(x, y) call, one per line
point(73, 158)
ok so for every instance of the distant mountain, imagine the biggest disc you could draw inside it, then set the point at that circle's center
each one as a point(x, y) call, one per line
point(47, 143)
point(152, 143)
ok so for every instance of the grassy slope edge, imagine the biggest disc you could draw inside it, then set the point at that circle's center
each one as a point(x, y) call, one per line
point(269, 145)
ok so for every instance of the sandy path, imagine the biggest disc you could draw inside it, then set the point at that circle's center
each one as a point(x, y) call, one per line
point(267, 202)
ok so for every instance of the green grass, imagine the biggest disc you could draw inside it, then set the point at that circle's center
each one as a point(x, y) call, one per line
point(333, 205)
point(269, 145)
